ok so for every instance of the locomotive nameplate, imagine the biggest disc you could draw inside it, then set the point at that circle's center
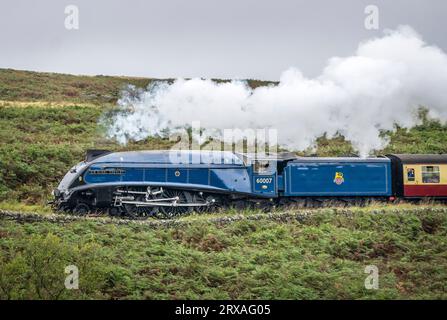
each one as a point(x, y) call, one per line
point(115, 171)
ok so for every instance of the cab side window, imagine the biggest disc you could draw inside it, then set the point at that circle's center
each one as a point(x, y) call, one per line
point(262, 166)
point(430, 174)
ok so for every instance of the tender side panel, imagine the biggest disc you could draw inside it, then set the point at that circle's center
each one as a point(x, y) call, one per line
point(338, 179)
point(425, 180)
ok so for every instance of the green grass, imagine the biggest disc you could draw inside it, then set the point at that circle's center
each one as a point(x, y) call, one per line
point(321, 257)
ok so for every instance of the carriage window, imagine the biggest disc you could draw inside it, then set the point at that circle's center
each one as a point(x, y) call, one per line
point(430, 174)
point(410, 174)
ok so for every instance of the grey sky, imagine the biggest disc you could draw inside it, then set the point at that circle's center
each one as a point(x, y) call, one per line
point(200, 38)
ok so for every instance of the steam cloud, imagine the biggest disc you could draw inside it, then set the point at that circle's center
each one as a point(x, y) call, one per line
point(382, 84)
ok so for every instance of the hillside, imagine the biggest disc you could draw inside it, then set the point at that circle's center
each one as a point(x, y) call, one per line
point(48, 121)
point(17, 85)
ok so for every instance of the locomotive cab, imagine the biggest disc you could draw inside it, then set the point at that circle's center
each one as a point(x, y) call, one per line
point(267, 172)
point(264, 176)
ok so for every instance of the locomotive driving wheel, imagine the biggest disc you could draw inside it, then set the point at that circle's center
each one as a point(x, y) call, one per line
point(179, 197)
point(135, 212)
point(138, 212)
point(210, 202)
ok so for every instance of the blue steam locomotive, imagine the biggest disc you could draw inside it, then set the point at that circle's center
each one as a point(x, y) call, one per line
point(171, 183)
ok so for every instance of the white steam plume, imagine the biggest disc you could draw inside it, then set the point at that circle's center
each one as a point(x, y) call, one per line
point(382, 84)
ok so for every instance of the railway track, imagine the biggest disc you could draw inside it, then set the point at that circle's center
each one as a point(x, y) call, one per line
point(284, 216)
point(64, 218)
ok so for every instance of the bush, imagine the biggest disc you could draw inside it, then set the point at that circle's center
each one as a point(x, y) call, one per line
point(35, 269)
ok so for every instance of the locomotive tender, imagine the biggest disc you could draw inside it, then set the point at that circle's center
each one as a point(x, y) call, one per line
point(170, 183)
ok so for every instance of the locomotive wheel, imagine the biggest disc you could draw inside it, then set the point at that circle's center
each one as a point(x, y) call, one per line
point(183, 197)
point(63, 209)
point(135, 212)
point(81, 209)
point(114, 212)
point(203, 198)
